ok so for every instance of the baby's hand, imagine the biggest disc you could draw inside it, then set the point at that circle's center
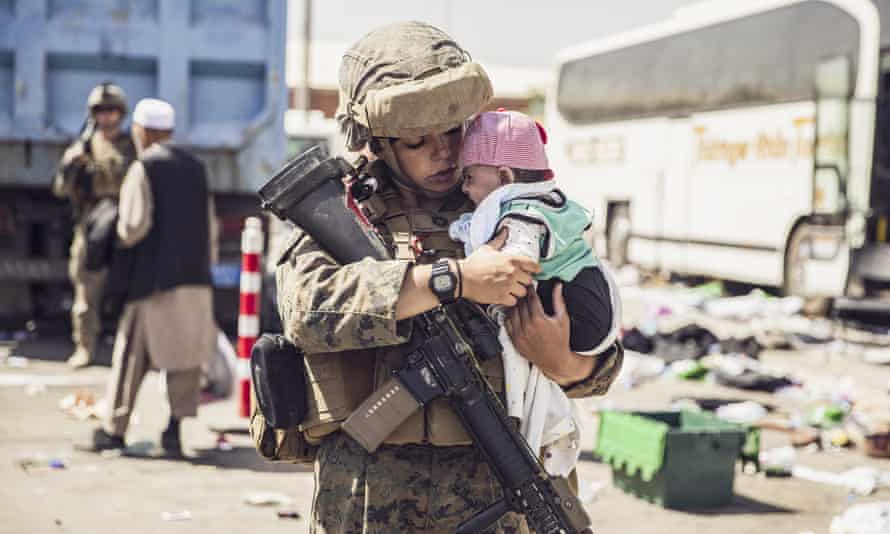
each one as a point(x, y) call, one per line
point(489, 276)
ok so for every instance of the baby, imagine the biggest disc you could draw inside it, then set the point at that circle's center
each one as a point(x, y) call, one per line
point(507, 176)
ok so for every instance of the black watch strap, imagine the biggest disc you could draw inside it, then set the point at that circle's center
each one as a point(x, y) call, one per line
point(444, 282)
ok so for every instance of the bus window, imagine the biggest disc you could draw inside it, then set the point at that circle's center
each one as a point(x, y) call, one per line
point(766, 58)
point(832, 122)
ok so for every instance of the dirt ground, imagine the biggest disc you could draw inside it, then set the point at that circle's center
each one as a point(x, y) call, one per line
point(206, 491)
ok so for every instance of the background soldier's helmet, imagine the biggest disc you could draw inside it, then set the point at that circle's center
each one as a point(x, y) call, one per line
point(107, 95)
point(407, 79)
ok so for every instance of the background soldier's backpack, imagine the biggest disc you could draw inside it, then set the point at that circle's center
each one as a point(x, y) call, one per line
point(279, 401)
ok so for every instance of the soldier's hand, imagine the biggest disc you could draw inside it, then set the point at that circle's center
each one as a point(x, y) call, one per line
point(544, 339)
point(74, 154)
point(490, 276)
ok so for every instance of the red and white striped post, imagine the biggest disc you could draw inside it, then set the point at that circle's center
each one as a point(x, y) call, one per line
point(248, 305)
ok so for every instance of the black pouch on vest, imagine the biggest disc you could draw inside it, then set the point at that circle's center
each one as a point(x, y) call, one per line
point(278, 394)
point(278, 374)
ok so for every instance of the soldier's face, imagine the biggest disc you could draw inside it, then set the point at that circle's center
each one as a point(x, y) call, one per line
point(107, 119)
point(430, 161)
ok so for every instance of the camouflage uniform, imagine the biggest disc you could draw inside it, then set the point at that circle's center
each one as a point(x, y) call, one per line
point(401, 488)
point(344, 319)
point(328, 308)
point(108, 161)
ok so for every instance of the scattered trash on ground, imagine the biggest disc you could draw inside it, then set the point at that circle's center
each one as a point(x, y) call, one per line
point(42, 462)
point(267, 499)
point(860, 480)
point(82, 405)
point(638, 369)
point(778, 462)
point(687, 370)
point(747, 412)
point(755, 304)
point(183, 515)
point(870, 518)
point(289, 514)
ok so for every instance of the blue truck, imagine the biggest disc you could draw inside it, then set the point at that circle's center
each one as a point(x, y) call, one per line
point(219, 62)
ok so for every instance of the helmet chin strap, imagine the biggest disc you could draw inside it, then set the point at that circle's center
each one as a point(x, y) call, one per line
point(401, 179)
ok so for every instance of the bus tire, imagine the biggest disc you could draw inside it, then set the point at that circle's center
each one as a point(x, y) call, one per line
point(618, 235)
point(794, 281)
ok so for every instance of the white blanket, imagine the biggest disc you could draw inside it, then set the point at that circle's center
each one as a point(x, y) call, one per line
point(549, 419)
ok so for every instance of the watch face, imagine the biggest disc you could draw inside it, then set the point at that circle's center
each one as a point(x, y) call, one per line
point(442, 284)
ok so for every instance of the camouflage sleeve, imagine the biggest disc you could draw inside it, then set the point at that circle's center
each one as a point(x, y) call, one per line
point(605, 370)
point(327, 307)
point(60, 187)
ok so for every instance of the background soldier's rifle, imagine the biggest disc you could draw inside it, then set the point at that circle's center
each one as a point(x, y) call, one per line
point(441, 357)
point(77, 176)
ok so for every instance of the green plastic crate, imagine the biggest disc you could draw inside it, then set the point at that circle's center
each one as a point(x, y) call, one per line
point(674, 459)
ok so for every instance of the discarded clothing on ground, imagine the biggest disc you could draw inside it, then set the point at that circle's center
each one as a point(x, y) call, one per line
point(744, 373)
point(688, 342)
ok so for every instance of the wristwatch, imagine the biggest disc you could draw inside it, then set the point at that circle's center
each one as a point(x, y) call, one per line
point(444, 282)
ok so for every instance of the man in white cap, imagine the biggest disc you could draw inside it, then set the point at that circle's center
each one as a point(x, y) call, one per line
point(165, 224)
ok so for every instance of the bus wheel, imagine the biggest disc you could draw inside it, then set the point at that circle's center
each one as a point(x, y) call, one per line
point(618, 236)
point(795, 283)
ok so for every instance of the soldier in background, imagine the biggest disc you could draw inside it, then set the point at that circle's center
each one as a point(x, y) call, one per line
point(92, 168)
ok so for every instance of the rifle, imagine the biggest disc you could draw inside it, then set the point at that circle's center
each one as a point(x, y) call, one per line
point(77, 176)
point(441, 359)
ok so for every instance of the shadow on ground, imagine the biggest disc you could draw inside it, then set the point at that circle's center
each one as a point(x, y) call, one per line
point(58, 348)
point(238, 457)
point(742, 505)
point(243, 458)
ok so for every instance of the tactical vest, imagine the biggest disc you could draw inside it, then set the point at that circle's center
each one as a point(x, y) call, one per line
point(338, 382)
point(111, 159)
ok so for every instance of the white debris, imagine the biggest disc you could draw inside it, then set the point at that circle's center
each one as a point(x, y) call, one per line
point(869, 518)
point(267, 499)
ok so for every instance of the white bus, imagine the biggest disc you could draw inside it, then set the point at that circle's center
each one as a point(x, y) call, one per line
point(748, 141)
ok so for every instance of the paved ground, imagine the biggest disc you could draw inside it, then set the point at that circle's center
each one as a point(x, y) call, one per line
point(95, 494)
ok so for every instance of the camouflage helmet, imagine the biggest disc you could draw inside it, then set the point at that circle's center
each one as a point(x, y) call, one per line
point(107, 95)
point(407, 79)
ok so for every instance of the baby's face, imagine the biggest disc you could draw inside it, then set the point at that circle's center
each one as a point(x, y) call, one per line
point(479, 181)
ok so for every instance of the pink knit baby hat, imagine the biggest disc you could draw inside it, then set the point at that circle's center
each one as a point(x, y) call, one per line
point(505, 139)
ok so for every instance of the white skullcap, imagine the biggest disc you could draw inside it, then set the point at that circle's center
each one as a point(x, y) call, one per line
point(154, 113)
